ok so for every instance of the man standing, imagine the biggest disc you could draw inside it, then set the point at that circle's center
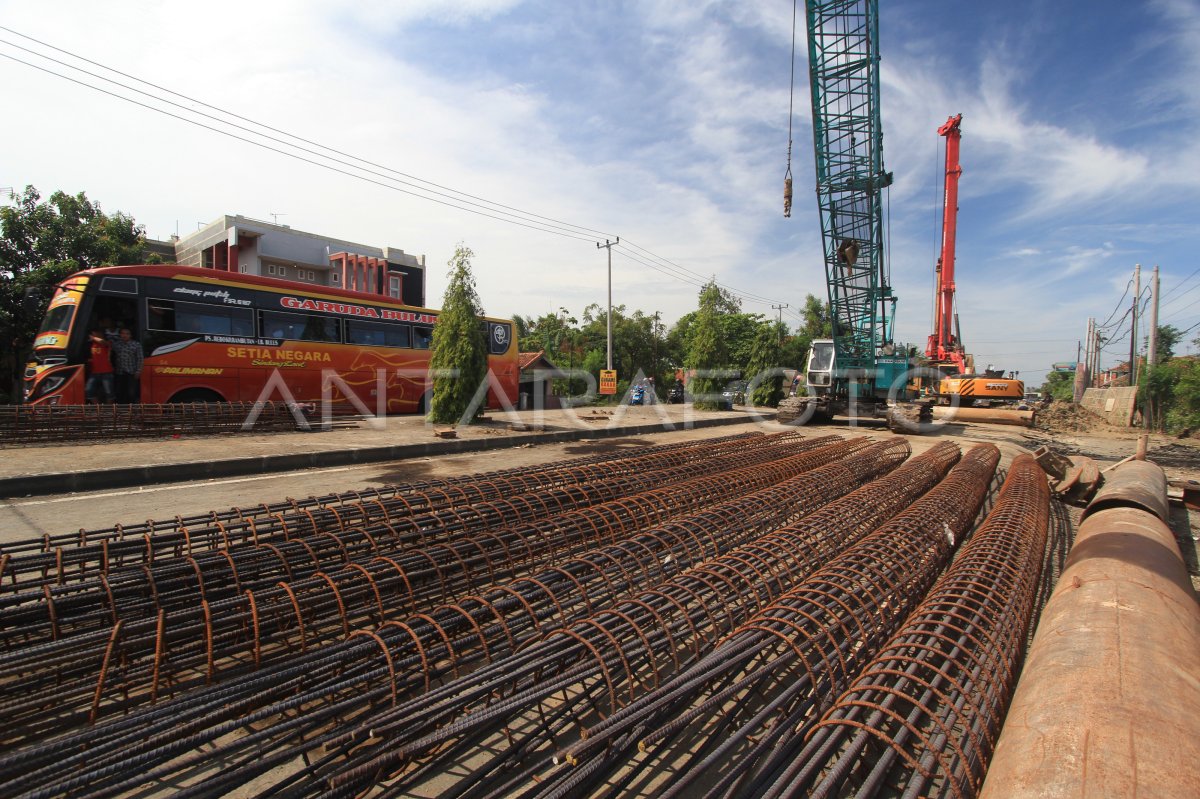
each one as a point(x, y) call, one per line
point(127, 360)
point(99, 386)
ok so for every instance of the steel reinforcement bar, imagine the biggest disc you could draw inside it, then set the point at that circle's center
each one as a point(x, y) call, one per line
point(923, 717)
point(133, 662)
point(396, 661)
point(40, 424)
point(58, 559)
point(736, 716)
point(50, 613)
point(578, 675)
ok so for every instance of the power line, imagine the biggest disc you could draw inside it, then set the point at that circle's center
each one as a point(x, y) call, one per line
point(454, 198)
point(296, 156)
point(555, 222)
point(1179, 285)
point(1118, 305)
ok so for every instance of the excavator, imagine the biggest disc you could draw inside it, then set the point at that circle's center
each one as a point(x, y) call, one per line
point(861, 371)
point(951, 376)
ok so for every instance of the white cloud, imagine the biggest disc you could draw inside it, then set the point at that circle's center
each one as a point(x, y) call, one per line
point(688, 161)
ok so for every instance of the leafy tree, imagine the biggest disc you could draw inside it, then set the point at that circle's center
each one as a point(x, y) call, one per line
point(1168, 337)
point(40, 244)
point(765, 356)
point(1185, 412)
point(818, 323)
point(818, 318)
point(1156, 392)
point(459, 344)
point(707, 351)
point(1060, 386)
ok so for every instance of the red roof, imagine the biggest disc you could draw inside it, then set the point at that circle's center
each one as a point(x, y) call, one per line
point(526, 359)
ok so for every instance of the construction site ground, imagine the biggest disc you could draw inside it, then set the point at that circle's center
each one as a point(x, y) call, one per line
point(504, 440)
point(609, 431)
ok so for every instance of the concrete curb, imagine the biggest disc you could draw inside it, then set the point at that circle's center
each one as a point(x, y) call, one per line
point(69, 482)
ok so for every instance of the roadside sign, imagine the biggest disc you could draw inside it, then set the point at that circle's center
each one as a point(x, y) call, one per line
point(608, 381)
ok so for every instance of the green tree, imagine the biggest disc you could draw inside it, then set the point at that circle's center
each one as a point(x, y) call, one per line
point(1060, 386)
point(1168, 337)
point(764, 357)
point(707, 350)
point(1156, 393)
point(459, 347)
point(40, 244)
point(818, 322)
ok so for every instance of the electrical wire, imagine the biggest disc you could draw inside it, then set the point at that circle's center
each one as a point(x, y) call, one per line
point(471, 204)
point(295, 156)
point(555, 222)
point(1125, 294)
point(1178, 286)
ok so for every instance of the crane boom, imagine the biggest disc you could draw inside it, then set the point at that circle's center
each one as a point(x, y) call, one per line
point(944, 345)
point(861, 372)
point(848, 142)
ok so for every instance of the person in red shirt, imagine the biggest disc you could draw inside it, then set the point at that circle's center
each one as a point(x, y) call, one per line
point(99, 386)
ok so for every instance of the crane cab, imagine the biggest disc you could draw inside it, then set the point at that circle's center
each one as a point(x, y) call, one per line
point(818, 372)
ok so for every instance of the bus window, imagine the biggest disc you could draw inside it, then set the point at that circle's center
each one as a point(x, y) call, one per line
point(191, 317)
point(422, 337)
point(377, 334)
point(299, 327)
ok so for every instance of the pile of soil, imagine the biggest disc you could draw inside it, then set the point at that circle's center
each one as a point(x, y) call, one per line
point(1065, 417)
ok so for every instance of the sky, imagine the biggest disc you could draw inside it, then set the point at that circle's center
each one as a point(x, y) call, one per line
point(562, 125)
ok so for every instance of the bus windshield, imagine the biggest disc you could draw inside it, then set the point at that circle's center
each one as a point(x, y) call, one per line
point(58, 320)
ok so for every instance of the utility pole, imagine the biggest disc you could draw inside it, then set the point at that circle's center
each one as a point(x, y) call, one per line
point(780, 309)
point(1081, 364)
point(1137, 291)
point(608, 245)
point(655, 343)
point(1152, 346)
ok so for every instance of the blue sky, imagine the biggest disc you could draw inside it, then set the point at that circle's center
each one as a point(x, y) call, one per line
point(662, 122)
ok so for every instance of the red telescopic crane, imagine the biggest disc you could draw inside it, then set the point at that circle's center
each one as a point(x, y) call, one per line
point(944, 346)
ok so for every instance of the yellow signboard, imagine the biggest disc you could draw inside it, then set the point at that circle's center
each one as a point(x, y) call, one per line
point(608, 381)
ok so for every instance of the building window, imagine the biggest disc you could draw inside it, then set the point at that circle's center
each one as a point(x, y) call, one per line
point(336, 277)
point(394, 286)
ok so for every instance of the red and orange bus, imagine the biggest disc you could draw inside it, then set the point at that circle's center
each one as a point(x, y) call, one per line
point(225, 337)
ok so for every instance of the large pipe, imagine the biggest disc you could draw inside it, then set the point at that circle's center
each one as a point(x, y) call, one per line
point(1139, 484)
point(987, 415)
point(1109, 702)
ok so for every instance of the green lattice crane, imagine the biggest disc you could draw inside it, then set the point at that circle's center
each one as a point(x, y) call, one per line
point(855, 371)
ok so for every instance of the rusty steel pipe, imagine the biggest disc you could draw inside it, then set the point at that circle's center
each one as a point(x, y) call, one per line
point(986, 415)
point(1138, 484)
point(1109, 702)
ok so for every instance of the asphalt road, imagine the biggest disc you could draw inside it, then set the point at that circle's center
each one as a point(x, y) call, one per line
point(28, 517)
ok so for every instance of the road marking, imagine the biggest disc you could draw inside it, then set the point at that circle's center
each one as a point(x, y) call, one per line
point(180, 486)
